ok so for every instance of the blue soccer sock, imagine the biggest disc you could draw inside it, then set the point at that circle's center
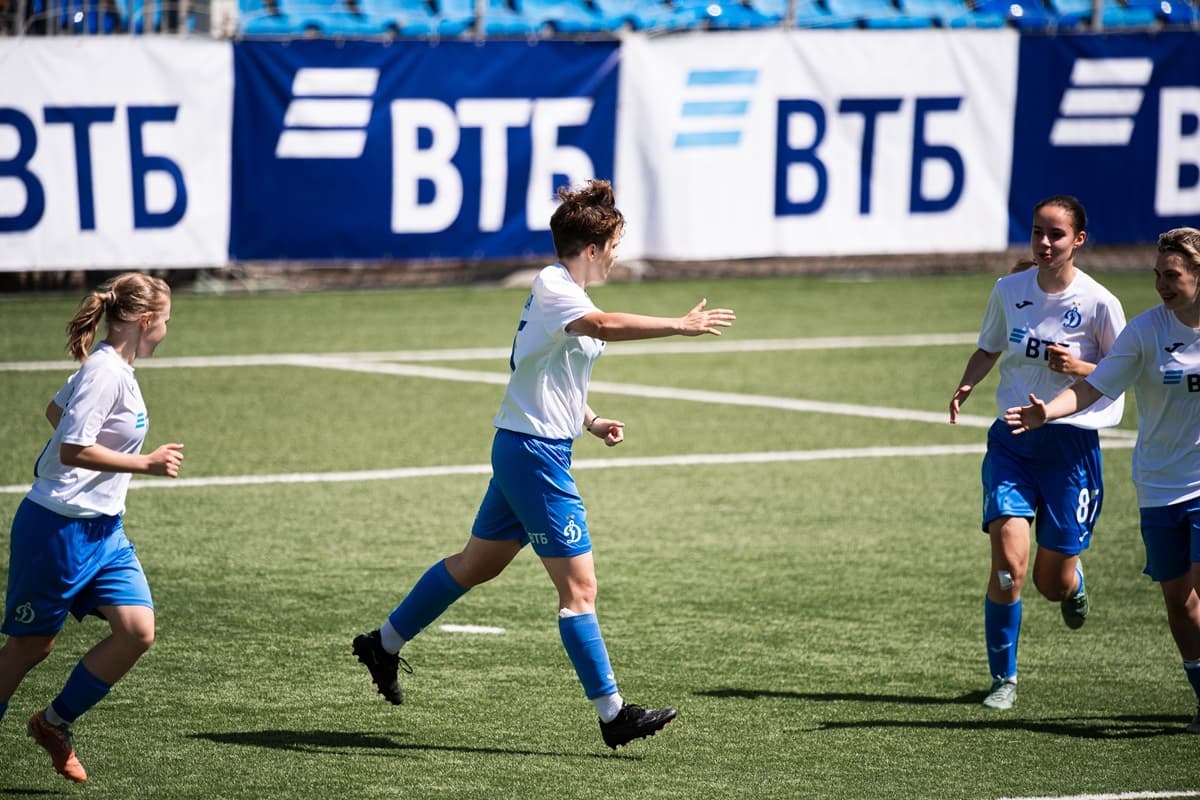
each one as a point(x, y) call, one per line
point(426, 601)
point(3, 708)
point(82, 691)
point(1002, 627)
point(585, 647)
point(1192, 670)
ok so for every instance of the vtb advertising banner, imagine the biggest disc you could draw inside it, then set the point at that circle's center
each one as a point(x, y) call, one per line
point(1114, 120)
point(359, 150)
point(816, 142)
point(114, 153)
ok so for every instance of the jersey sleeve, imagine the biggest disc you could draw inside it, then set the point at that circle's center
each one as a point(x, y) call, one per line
point(63, 396)
point(88, 406)
point(1117, 371)
point(562, 302)
point(1112, 323)
point(993, 332)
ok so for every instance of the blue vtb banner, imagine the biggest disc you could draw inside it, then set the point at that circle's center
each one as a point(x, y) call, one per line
point(1115, 121)
point(360, 150)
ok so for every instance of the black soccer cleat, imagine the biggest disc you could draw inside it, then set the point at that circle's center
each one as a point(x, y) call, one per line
point(634, 722)
point(382, 665)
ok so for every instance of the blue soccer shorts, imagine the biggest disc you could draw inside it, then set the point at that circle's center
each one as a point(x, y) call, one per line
point(59, 565)
point(1171, 535)
point(532, 497)
point(1052, 475)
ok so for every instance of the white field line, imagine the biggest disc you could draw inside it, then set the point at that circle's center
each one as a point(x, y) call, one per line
point(691, 395)
point(1118, 796)
point(498, 353)
point(703, 459)
point(374, 363)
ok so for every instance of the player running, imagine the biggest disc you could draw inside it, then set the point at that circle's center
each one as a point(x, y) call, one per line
point(532, 497)
point(1159, 356)
point(68, 550)
point(1051, 324)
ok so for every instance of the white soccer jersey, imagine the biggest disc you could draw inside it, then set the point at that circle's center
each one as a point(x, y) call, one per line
point(101, 405)
point(1022, 321)
point(551, 368)
point(1160, 357)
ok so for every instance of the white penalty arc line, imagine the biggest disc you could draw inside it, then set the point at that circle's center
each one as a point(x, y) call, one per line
point(698, 460)
point(1116, 796)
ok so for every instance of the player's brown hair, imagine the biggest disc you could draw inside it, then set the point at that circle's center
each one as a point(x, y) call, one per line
point(587, 215)
point(125, 298)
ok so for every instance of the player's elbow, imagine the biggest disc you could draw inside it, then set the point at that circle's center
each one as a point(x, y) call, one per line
point(69, 455)
point(597, 326)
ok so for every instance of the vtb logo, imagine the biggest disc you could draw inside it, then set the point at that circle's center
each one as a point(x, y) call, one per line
point(1100, 105)
point(329, 112)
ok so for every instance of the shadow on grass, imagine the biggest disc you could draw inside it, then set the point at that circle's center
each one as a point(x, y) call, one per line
point(1112, 727)
point(18, 792)
point(1115, 727)
point(343, 743)
point(857, 697)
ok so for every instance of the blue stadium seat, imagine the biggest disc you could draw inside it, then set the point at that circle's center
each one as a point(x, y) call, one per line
point(257, 18)
point(1024, 15)
point(644, 15)
point(951, 14)
point(726, 14)
point(501, 19)
point(1170, 12)
point(810, 14)
point(876, 14)
point(454, 17)
point(401, 17)
point(565, 16)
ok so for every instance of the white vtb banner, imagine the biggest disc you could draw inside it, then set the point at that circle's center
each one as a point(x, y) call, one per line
point(814, 143)
point(114, 153)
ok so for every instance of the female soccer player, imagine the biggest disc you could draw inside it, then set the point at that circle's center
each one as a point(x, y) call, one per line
point(68, 551)
point(1052, 324)
point(1159, 356)
point(532, 496)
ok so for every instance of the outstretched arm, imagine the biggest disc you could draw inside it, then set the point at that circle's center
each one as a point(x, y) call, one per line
point(616, 326)
point(1075, 397)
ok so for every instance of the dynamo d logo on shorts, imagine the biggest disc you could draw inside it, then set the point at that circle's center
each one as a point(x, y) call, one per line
point(24, 613)
point(572, 532)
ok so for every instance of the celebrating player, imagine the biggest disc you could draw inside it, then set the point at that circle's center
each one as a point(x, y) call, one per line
point(68, 550)
point(1052, 324)
point(532, 497)
point(1159, 356)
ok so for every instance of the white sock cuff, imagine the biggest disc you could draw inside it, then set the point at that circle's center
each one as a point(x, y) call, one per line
point(389, 638)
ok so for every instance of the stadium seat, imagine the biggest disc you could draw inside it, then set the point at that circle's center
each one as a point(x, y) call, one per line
point(502, 19)
point(809, 14)
point(1024, 15)
point(726, 14)
point(876, 14)
point(951, 14)
point(454, 17)
point(1170, 12)
point(644, 15)
point(1113, 13)
point(401, 17)
point(565, 16)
